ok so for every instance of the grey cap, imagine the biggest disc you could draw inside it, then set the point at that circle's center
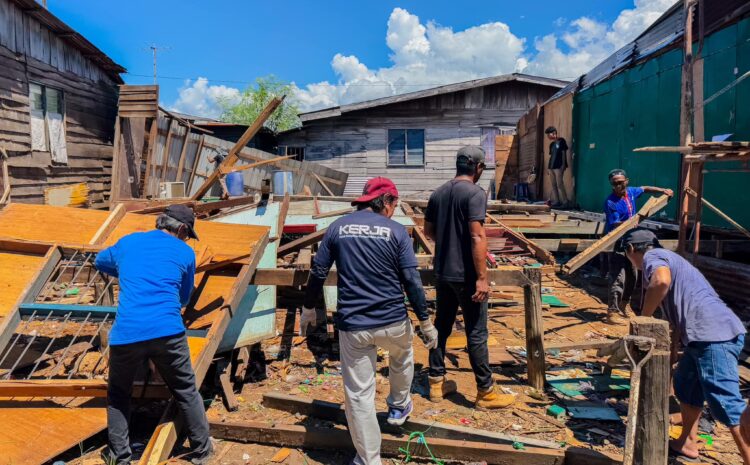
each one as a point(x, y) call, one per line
point(470, 154)
point(617, 172)
point(637, 236)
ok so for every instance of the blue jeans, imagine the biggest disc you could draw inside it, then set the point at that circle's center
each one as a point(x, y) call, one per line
point(707, 372)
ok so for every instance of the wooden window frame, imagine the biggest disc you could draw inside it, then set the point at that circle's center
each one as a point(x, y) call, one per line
point(62, 108)
point(406, 163)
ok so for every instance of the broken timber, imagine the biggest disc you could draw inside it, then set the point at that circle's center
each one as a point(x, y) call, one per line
point(332, 411)
point(492, 206)
point(333, 438)
point(653, 205)
point(540, 252)
point(232, 157)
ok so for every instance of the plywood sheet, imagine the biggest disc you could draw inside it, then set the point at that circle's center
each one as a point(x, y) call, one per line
point(212, 292)
point(16, 272)
point(42, 430)
point(223, 240)
point(50, 224)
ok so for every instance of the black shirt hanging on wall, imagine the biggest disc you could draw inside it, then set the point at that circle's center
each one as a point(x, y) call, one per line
point(558, 149)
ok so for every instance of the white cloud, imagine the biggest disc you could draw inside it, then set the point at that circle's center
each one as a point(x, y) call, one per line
point(427, 54)
point(201, 99)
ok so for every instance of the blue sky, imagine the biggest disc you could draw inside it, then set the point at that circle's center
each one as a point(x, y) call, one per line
point(343, 51)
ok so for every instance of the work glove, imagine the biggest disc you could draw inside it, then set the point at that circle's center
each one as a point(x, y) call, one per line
point(308, 320)
point(429, 334)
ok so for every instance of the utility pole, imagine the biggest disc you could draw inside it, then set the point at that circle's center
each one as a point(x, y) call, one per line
point(154, 49)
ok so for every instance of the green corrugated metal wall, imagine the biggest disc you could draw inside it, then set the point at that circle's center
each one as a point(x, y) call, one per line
point(641, 107)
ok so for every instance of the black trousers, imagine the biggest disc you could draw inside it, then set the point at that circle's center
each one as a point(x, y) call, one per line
point(622, 277)
point(171, 356)
point(450, 296)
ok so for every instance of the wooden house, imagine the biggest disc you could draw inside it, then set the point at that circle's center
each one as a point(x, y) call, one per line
point(58, 102)
point(413, 138)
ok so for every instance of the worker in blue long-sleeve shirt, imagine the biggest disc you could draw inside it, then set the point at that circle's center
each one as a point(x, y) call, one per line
point(156, 272)
point(375, 262)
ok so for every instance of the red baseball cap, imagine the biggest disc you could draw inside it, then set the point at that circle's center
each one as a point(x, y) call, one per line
point(376, 187)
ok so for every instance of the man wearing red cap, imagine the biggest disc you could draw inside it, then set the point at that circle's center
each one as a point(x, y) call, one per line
point(375, 260)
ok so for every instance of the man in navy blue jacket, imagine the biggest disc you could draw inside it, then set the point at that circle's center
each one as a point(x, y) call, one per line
point(156, 270)
point(375, 262)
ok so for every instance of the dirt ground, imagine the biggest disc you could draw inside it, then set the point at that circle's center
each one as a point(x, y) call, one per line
point(582, 320)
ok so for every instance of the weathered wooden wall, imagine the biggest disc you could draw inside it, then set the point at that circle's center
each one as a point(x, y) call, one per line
point(29, 52)
point(355, 142)
point(530, 147)
point(559, 113)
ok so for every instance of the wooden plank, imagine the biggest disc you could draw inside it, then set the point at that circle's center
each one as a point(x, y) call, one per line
point(586, 345)
point(292, 277)
point(198, 155)
point(343, 211)
point(283, 210)
point(532, 299)
point(148, 153)
point(300, 243)
point(332, 411)
point(322, 183)
point(272, 161)
point(109, 225)
point(165, 154)
point(541, 253)
point(493, 206)
point(71, 388)
point(423, 240)
point(232, 157)
point(653, 205)
point(181, 162)
point(331, 438)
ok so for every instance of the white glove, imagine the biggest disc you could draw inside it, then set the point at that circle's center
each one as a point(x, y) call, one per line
point(308, 319)
point(429, 334)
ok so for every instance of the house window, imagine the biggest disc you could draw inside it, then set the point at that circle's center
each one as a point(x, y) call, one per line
point(48, 121)
point(406, 147)
point(298, 152)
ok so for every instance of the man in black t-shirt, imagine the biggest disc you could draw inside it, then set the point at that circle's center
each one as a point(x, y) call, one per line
point(455, 220)
point(558, 162)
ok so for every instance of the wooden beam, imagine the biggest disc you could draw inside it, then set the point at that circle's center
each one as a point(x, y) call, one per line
point(331, 411)
point(532, 300)
point(541, 253)
point(653, 205)
point(292, 277)
point(181, 162)
point(299, 436)
point(587, 345)
point(109, 225)
point(493, 206)
point(343, 211)
point(422, 239)
point(723, 215)
point(165, 153)
point(322, 183)
point(283, 211)
point(198, 155)
point(256, 164)
point(652, 431)
point(302, 242)
point(232, 157)
point(148, 152)
point(72, 388)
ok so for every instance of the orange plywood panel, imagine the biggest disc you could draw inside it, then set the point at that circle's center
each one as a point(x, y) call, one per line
point(50, 224)
point(16, 273)
point(196, 345)
point(212, 292)
point(223, 240)
point(42, 429)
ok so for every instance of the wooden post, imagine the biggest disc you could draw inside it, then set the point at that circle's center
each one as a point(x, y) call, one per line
point(532, 299)
point(653, 412)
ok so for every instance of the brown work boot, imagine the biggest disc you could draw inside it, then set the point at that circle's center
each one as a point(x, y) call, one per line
point(490, 399)
point(616, 318)
point(440, 387)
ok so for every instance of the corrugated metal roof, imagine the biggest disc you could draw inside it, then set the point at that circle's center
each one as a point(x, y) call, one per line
point(518, 77)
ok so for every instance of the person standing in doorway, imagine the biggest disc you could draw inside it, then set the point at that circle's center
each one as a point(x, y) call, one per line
point(455, 221)
point(375, 261)
point(620, 206)
point(156, 272)
point(558, 163)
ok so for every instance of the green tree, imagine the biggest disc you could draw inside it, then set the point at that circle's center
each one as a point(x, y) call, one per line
point(255, 97)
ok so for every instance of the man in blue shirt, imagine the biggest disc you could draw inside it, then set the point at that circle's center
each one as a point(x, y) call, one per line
point(620, 206)
point(711, 334)
point(375, 262)
point(155, 270)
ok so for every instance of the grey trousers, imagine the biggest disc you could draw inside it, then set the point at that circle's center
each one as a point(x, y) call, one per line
point(358, 357)
point(622, 277)
point(171, 356)
point(558, 186)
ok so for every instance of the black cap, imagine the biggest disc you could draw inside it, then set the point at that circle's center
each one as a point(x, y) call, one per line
point(637, 236)
point(617, 172)
point(470, 155)
point(184, 215)
point(550, 130)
